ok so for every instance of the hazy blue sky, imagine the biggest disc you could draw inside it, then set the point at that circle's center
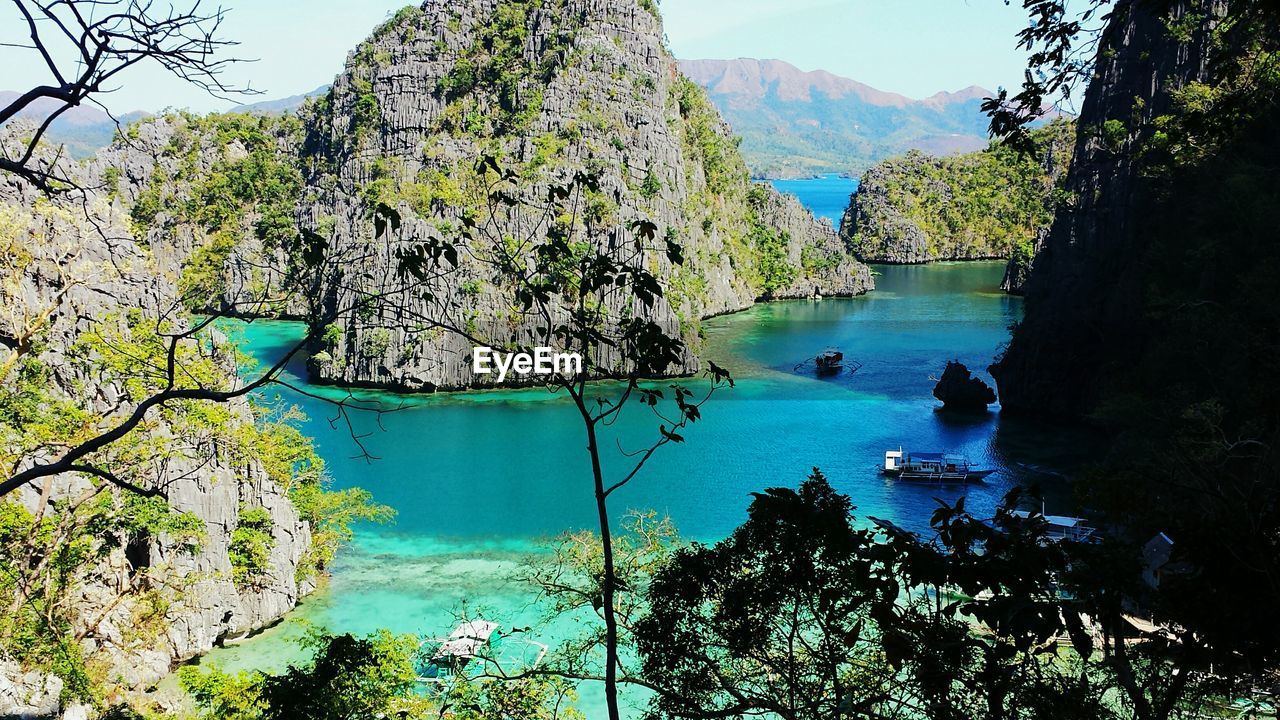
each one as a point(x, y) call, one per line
point(914, 47)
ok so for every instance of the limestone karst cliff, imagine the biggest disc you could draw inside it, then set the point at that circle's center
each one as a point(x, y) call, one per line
point(553, 88)
point(133, 585)
point(990, 204)
point(214, 198)
point(1085, 293)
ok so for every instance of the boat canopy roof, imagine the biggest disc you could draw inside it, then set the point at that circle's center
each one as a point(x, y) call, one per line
point(1062, 521)
point(467, 639)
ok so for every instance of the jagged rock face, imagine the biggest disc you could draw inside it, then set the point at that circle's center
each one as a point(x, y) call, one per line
point(983, 205)
point(83, 274)
point(959, 390)
point(1085, 290)
point(197, 190)
point(842, 274)
point(553, 87)
point(874, 224)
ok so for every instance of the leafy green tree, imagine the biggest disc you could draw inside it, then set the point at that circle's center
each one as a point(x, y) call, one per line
point(570, 584)
point(1186, 388)
point(777, 619)
point(347, 678)
point(802, 613)
point(983, 630)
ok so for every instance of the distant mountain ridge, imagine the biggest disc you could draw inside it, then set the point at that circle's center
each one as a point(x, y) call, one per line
point(281, 105)
point(84, 129)
point(793, 122)
point(796, 122)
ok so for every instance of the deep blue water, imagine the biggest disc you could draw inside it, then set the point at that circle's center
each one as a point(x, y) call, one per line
point(827, 196)
point(497, 466)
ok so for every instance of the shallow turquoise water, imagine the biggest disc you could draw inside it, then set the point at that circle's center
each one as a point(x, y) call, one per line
point(826, 196)
point(481, 479)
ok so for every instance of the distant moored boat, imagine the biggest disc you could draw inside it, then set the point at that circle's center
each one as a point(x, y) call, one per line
point(829, 361)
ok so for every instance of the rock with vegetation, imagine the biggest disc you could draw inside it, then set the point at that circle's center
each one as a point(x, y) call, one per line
point(215, 199)
point(206, 522)
point(985, 205)
point(550, 89)
point(1151, 312)
point(1085, 293)
point(959, 390)
point(1018, 269)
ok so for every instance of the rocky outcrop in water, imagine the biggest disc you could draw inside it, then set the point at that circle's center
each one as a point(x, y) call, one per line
point(553, 87)
point(990, 204)
point(959, 390)
point(877, 229)
point(141, 602)
point(1085, 289)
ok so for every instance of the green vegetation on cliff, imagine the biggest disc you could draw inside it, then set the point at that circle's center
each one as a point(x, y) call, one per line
point(773, 270)
point(989, 204)
point(290, 460)
point(48, 558)
point(232, 180)
point(504, 107)
point(1152, 314)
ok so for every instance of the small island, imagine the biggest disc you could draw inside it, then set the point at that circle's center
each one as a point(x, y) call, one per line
point(960, 391)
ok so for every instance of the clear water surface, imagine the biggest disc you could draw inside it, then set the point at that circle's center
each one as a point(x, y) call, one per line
point(482, 480)
point(826, 196)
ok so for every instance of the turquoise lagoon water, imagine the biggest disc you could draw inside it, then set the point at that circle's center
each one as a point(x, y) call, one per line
point(481, 481)
point(826, 196)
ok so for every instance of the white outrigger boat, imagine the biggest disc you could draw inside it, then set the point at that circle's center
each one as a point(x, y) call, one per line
point(1061, 527)
point(472, 652)
point(931, 467)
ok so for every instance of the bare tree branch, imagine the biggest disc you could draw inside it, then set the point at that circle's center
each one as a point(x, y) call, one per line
point(115, 36)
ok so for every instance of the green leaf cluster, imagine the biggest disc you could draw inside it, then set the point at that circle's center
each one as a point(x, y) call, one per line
point(43, 560)
point(250, 549)
point(493, 88)
point(370, 677)
point(774, 269)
